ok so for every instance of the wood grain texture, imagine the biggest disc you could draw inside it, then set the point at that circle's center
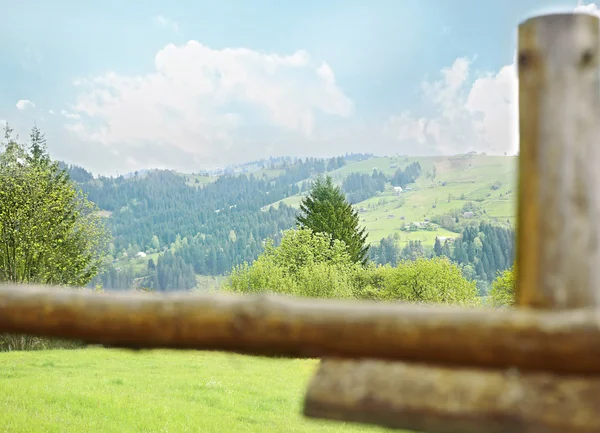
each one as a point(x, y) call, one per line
point(559, 201)
point(453, 400)
point(558, 263)
point(566, 341)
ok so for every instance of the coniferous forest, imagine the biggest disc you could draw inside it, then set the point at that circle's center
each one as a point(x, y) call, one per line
point(209, 228)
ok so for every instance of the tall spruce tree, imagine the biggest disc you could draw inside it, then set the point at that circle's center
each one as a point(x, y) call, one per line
point(326, 210)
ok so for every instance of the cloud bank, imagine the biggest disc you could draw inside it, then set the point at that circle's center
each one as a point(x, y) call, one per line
point(202, 102)
point(202, 107)
point(465, 115)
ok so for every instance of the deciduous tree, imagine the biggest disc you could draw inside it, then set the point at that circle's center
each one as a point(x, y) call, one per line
point(49, 232)
point(435, 280)
point(502, 293)
point(304, 264)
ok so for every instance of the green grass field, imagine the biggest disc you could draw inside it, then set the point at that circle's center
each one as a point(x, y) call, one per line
point(102, 390)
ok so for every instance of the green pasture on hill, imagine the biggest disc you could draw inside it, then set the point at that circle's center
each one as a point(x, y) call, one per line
point(487, 180)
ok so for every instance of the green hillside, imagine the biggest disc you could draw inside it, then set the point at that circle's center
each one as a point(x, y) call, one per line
point(171, 231)
point(487, 180)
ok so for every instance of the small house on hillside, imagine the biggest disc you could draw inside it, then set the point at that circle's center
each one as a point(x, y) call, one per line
point(397, 190)
point(443, 239)
point(468, 214)
point(140, 255)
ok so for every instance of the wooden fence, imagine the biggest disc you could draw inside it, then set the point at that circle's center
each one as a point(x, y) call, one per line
point(535, 368)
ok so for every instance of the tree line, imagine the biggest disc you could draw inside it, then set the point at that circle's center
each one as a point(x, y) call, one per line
point(53, 234)
point(361, 186)
point(149, 212)
point(326, 257)
point(482, 251)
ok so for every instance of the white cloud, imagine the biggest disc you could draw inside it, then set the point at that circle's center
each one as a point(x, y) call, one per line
point(51, 112)
point(467, 115)
point(23, 104)
point(591, 8)
point(163, 21)
point(204, 103)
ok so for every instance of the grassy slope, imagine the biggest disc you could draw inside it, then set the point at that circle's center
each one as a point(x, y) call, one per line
point(198, 181)
point(471, 176)
point(120, 391)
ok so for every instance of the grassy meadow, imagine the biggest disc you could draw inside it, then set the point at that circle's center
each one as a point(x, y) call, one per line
point(109, 390)
point(198, 181)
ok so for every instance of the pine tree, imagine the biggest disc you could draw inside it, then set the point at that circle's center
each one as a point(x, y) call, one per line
point(37, 147)
point(326, 210)
point(437, 247)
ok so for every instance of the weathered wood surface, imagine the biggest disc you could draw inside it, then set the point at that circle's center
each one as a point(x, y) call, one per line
point(566, 342)
point(558, 260)
point(453, 400)
point(558, 235)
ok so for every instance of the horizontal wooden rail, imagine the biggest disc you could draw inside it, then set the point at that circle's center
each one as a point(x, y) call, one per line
point(563, 342)
point(449, 400)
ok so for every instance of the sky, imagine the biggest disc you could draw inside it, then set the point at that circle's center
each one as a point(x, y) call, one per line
point(197, 84)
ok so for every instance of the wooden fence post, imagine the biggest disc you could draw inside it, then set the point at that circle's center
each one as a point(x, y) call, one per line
point(558, 264)
point(465, 371)
point(559, 166)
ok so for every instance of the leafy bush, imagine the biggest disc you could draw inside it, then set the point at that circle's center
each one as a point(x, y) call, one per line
point(304, 264)
point(502, 293)
point(309, 264)
point(435, 280)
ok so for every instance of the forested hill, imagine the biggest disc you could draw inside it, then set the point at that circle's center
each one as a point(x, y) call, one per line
point(195, 227)
point(182, 226)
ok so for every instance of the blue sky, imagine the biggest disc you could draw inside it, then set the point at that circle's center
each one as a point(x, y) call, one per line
point(119, 86)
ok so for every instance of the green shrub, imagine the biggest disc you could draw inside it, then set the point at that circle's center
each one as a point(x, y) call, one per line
point(309, 264)
point(435, 280)
point(502, 293)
